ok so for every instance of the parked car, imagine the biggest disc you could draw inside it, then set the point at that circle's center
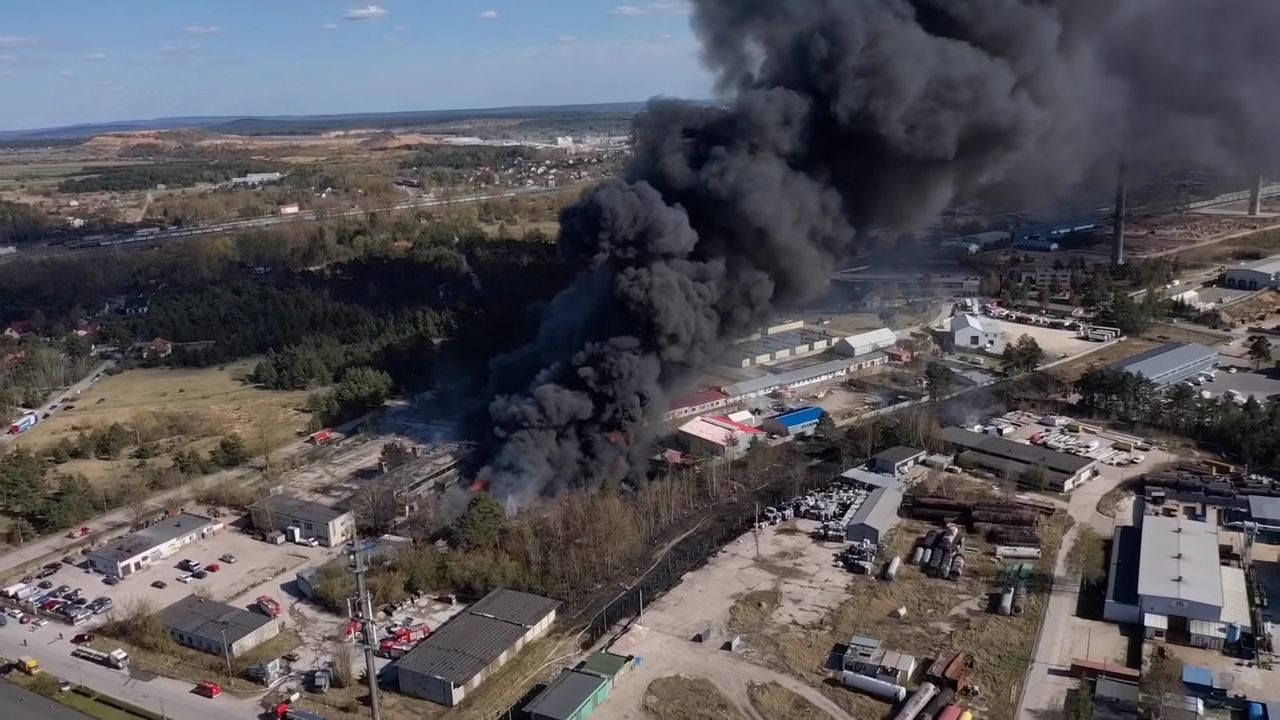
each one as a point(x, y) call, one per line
point(200, 574)
point(14, 613)
point(45, 584)
point(68, 560)
point(184, 579)
point(81, 638)
point(111, 580)
point(47, 572)
point(213, 567)
point(208, 689)
point(159, 584)
point(228, 558)
point(189, 565)
point(39, 622)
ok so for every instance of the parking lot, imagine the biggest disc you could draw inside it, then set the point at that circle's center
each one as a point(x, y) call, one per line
point(1260, 384)
point(1056, 344)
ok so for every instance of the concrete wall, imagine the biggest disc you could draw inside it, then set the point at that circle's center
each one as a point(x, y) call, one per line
point(1121, 613)
point(213, 646)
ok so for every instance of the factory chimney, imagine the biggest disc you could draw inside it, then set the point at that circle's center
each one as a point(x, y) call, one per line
point(1255, 197)
point(1117, 232)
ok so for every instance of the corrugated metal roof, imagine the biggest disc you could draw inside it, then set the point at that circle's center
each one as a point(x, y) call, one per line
point(1158, 362)
point(1270, 266)
point(898, 454)
point(461, 648)
point(605, 663)
point(768, 382)
point(719, 432)
point(565, 695)
point(1235, 597)
point(1179, 559)
point(863, 343)
point(879, 511)
point(799, 416)
point(1029, 454)
point(208, 619)
point(517, 607)
point(694, 399)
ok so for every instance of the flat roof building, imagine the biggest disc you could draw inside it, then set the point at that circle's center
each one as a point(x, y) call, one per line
point(1170, 363)
point(1265, 511)
point(573, 695)
point(1062, 472)
point(329, 525)
point(141, 549)
point(819, 372)
point(1257, 275)
point(694, 403)
point(866, 342)
point(464, 651)
point(794, 423)
point(896, 460)
point(859, 477)
point(1185, 594)
point(215, 627)
point(719, 436)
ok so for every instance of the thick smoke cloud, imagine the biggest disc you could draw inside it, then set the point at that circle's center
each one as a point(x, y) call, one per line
point(842, 116)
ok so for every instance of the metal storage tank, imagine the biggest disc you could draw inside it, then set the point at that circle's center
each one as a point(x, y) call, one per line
point(916, 555)
point(891, 572)
point(1006, 601)
point(1019, 599)
point(912, 707)
point(951, 712)
point(872, 686)
point(937, 704)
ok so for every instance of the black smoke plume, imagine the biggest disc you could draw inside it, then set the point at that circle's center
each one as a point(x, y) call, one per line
point(841, 116)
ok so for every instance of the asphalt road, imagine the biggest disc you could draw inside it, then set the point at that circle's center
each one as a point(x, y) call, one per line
point(20, 704)
point(171, 698)
point(56, 399)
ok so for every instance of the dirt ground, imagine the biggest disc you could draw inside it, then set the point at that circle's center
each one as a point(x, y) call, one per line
point(775, 702)
point(1072, 371)
point(210, 403)
point(681, 697)
point(1055, 343)
point(1182, 333)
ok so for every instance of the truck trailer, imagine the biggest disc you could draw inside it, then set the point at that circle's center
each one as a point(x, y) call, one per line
point(23, 424)
point(117, 659)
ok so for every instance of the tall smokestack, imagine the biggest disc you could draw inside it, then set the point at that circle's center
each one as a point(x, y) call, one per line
point(1255, 197)
point(1117, 232)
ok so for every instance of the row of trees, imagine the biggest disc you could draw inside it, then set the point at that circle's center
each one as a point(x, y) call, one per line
point(1248, 433)
point(1021, 356)
point(146, 177)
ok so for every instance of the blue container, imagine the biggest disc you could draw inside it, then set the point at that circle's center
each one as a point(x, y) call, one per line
point(1233, 633)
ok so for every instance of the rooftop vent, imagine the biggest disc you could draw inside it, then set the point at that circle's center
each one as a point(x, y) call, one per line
point(1178, 579)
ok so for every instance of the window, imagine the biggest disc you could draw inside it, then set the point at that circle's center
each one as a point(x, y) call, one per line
point(973, 339)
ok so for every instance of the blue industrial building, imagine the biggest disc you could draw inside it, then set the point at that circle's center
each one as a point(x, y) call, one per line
point(1054, 230)
point(794, 423)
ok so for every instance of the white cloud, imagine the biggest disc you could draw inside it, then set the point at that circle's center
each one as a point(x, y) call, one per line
point(628, 11)
point(489, 15)
point(66, 73)
point(95, 57)
point(202, 30)
point(16, 41)
point(329, 26)
point(566, 39)
point(368, 12)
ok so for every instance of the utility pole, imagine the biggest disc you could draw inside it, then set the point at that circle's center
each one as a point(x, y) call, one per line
point(226, 651)
point(364, 613)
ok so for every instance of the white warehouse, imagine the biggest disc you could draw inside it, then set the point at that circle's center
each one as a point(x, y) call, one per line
point(139, 550)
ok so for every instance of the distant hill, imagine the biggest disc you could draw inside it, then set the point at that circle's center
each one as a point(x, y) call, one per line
point(307, 124)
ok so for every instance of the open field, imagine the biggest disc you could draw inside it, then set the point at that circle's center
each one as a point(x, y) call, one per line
point(1183, 334)
point(775, 702)
point(179, 408)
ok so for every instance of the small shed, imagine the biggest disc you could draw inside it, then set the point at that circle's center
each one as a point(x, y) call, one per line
point(607, 664)
point(896, 460)
point(573, 695)
point(795, 423)
point(897, 667)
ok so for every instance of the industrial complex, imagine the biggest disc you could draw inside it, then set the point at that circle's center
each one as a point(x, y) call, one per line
point(1170, 363)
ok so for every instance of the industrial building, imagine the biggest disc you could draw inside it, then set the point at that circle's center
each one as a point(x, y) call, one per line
point(573, 695)
point(875, 517)
point(911, 284)
point(1122, 605)
point(800, 422)
point(141, 549)
point(820, 372)
point(1184, 594)
point(719, 436)
point(217, 628)
point(1258, 275)
point(896, 460)
point(329, 525)
point(473, 644)
point(1264, 511)
point(696, 403)
point(966, 332)
point(1170, 363)
point(1005, 458)
point(1036, 245)
point(780, 342)
point(869, 656)
point(868, 480)
point(865, 343)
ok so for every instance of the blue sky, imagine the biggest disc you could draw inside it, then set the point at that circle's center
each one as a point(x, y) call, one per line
point(73, 61)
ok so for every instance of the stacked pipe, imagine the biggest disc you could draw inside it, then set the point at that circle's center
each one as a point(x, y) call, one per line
point(935, 706)
point(917, 702)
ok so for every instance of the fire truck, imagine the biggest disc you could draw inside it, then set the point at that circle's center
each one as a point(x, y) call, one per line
point(268, 606)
